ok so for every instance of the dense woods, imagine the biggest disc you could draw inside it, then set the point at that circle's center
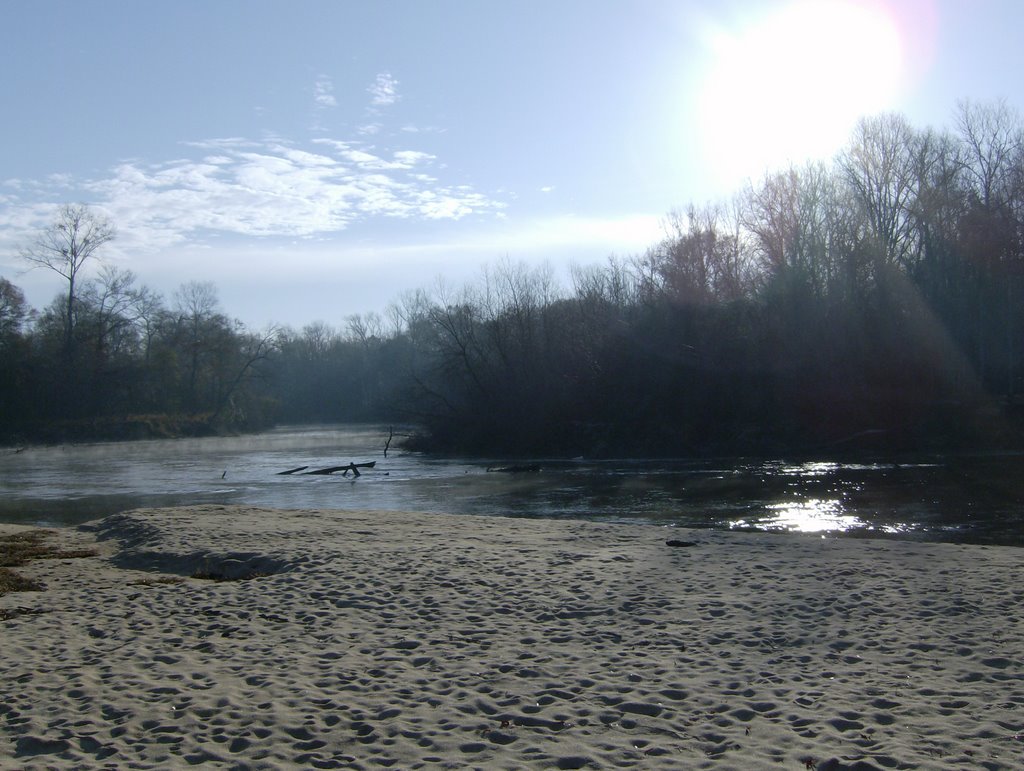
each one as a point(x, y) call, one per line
point(873, 303)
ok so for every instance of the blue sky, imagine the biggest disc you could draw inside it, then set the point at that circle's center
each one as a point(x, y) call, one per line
point(317, 159)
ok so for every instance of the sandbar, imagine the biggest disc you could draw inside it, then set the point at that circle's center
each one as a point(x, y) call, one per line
point(364, 640)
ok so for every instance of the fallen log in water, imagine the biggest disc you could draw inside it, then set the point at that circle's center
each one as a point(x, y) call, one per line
point(324, 471)
point(292, 471)
point(353, 467)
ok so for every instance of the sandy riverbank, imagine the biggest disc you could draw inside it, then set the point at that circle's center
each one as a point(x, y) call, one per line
point(426, 641)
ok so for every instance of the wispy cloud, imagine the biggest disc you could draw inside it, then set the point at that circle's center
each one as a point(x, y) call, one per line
point(384, 90)
point(323, 92)
point(261, 188)
point(411, 128)
point(281, 190)
point(268, 187)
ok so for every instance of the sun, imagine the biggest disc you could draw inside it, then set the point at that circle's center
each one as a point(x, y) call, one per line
point(788, 86)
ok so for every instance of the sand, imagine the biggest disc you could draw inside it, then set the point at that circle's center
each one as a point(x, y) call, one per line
point(406, 641)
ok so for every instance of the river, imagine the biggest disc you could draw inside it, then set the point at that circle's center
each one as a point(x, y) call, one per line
point(976, 499)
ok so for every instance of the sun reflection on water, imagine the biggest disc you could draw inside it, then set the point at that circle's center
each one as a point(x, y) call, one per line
point(813, 515)
point(812, 469)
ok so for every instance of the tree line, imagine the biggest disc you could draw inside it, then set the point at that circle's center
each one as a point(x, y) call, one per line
point(869, 303)
point(109, 358)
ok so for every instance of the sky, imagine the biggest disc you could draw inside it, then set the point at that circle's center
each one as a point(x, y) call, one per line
point(322, 158)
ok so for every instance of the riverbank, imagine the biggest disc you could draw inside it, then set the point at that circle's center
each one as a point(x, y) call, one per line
point(118, 428)
point(366, 639)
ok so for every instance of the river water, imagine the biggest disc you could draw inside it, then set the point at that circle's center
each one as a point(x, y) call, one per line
point(977, 499)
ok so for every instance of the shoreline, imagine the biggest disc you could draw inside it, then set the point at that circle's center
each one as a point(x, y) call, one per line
point(408, 640)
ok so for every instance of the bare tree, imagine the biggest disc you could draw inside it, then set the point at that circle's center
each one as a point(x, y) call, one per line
point(251, 349)
point(64, 247)
point(317, 338)
point(116, 305)
point(199, 318)
point(992, 136)
point(365, 329)
point(879, 166)
point(701, 259)
point(196, 301)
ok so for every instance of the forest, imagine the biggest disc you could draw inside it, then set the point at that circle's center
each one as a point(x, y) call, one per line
point(871, 304)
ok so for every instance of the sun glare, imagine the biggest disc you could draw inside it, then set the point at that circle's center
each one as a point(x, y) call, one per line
point(788, 86)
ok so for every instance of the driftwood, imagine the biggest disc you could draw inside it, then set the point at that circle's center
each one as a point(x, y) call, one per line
point(516, 469)
point(391, 437)
point(353, 467)
point(292, 471)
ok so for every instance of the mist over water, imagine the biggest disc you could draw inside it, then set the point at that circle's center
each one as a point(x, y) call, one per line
point(965, 499)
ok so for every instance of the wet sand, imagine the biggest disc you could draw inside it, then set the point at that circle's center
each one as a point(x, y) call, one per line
point(368, 640)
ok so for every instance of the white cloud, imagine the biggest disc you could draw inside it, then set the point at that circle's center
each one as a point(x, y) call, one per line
point(221, 144)
point(384, 90)
point(269, 188)
point(412, 128)
point(409, 158)
point(236, 208)
point(323, 92)
point(60, 180)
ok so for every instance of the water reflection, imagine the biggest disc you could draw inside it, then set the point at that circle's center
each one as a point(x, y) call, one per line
point(978, 499)
point(815, 515)
point(812, 469)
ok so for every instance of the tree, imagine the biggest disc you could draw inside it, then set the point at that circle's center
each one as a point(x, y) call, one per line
point(116, 306)
point(202, 325)
point(64, 247)
point(247, 351)
point(701, 259)
point(879, 166)
point(13, 355)
point(992, 138)
point(111, 338)
point(13, 311)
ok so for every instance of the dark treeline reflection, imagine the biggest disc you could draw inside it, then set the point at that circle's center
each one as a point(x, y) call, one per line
point(873, 303)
